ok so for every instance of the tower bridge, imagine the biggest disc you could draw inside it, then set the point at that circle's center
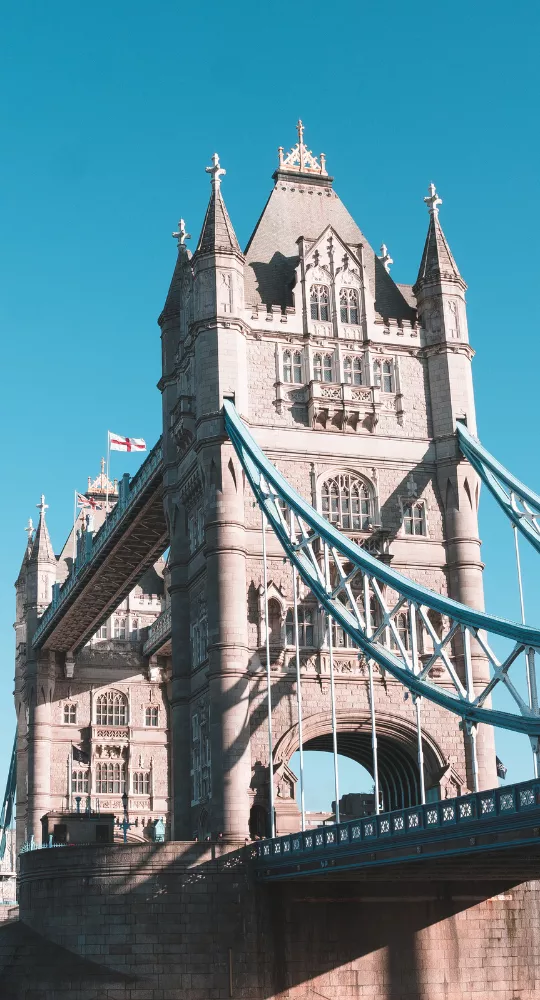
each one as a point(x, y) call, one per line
point(317, 488)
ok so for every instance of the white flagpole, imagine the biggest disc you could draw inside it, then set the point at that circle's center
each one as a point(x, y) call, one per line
point(108, 463)
point(74, 545)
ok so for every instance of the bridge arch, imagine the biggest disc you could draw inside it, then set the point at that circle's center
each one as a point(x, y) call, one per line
point(397, 751)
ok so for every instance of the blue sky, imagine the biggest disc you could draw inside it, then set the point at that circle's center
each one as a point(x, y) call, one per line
point(110, 114)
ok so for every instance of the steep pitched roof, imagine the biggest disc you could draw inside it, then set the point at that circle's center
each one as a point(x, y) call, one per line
point(305, 206)
point(42, 550)
point(437, 260)
point(217, 233)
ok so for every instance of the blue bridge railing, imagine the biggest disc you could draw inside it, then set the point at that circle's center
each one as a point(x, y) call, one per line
point(451, 814)
point(128, 495)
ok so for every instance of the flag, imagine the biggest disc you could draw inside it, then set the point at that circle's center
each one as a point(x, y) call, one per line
point(79, 755)
point(118, 443)
point(501, 769)
point(83, 501)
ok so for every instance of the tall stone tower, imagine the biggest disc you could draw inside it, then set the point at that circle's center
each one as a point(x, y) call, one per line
point(353, 385)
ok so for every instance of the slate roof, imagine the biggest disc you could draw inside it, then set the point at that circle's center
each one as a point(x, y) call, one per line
point(437, 260)
point(304, 207)
point(217, 232)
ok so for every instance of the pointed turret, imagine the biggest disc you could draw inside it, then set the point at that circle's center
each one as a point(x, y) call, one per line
point(437, 260)
point(41, 570)
point(217, 234)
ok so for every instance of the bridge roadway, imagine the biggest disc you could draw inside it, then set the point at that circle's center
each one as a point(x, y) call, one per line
point(485, 835)
point(133, 536)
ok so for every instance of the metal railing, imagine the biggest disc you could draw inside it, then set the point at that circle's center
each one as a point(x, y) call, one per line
point(160, 629)
point(493, 804)
point(125, 499)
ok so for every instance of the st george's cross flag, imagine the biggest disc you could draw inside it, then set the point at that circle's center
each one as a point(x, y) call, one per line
point(118, 443)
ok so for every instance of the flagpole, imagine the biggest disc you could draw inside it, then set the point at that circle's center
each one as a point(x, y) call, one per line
point(74, 545)
point(108, 462)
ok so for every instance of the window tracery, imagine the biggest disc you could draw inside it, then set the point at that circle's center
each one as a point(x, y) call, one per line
point(348, 306)
point(111, 709)
point(414, 518)
point(383, 374)
point(79, 781)
point(119, 628)
point(347, 503)
point(140, 782)
point(151, 716)
point(110, 778)
point(319, 298)
point(70, 714)
point(306, 632)
point(322, 368)
point(353, 371)
point(292, 366)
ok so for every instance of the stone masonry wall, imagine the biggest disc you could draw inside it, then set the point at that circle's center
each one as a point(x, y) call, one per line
point(185, 922)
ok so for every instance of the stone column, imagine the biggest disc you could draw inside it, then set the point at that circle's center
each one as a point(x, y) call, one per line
point(39, 752)
point(227, 643)
point(180, 759)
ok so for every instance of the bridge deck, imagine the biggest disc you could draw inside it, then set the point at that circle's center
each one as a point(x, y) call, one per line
point(134, 535)
point(489, 834)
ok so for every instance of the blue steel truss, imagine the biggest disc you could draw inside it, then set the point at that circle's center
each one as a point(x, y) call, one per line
point(520, 504)
point(366, 597)
point(9, 799)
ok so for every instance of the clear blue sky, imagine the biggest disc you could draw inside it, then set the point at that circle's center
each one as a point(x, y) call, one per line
point(110, 114)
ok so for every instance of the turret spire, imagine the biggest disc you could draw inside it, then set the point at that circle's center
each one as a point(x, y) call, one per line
point(42, 550)
point(217, 235)
point(437, 261)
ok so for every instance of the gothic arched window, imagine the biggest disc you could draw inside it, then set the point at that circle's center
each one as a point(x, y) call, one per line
point(384, 375)
point(305, 627)
point(348, 306)
point(274, 622)
point(79, 781)
point(401, 623)
point(319, 298)
point(346, 502)
point(414, 518)
point(292, 366)
point(119, 628)
point(151, 716)
point(111, 709)
point(141, 783)
point(110, 778)
point(322, 368)
point(70, 714)
point(353, 371)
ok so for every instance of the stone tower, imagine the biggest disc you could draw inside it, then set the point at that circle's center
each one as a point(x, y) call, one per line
point(353, 385)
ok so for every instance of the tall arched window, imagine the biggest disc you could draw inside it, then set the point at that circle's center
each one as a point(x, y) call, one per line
point(79, 781)
point(119, 628)
point(305, 627)
point(322, 368)
point(274, 622)
point(353, 371)
point(141, 782)
point(320, 302)
point(346, 502)
point(401, 622)
point(348, 306)
point(292, 366)
point(111, 709)
point(110, 778)
point(384, 375)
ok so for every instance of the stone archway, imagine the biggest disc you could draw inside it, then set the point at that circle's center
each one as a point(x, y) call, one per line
point(397, 751)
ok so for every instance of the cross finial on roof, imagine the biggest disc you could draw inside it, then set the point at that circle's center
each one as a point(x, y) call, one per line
point(29, 529)
point(433, 201)
point(216, 172)
point(300, 130)
point(385, 258)
point(42, 506)
point(301, 159)
point(181, 235)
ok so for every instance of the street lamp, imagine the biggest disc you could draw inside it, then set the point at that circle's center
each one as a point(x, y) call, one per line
point(125, 824)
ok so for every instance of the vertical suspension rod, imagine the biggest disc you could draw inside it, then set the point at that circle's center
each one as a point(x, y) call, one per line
point(367, 619)
point(268, 684)
point(298, 681)
point(329, 621)
point(529, 659)
point(471, 727)
point(417, 700)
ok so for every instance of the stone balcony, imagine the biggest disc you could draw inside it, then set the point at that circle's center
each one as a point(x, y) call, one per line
point(348, 407)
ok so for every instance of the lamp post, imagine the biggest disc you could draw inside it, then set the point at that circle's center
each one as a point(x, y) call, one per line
point(125, 824)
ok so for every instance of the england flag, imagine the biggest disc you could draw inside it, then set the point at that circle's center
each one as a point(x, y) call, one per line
point(119, 443)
